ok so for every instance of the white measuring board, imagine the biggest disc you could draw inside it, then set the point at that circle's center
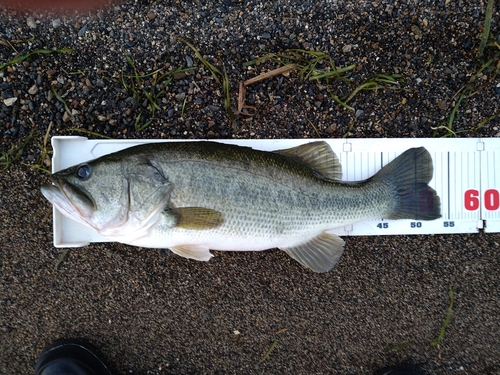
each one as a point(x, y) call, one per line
point(466, 178)
point(489, 194)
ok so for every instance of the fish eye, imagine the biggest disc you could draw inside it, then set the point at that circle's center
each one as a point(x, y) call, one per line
point(83, 172)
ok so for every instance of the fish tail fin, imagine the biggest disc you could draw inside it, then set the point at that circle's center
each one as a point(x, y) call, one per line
point(408, 175)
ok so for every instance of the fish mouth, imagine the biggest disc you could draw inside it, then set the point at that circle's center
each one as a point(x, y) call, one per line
point(71, 200)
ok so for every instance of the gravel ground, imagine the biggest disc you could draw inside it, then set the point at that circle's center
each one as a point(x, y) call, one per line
point(386, 299)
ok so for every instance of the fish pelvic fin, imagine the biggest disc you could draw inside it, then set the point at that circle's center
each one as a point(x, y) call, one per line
point(319, 254)
point(197, 252)
point(318, 156)
point(408, 175)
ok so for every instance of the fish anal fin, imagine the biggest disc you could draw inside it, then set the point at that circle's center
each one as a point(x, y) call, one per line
point(320, 253)
point(319, 156)
point(197, 252)
point(195, 218)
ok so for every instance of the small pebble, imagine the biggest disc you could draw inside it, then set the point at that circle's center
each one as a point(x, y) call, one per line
point(82, 31)
point(359, 112)
point(66, 116)
point(9, 101)
point(442, 104)
point(416, 31)
point(30, 21)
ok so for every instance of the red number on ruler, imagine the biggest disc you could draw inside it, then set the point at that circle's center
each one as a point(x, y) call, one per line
point(491, 199)
point(471, 199)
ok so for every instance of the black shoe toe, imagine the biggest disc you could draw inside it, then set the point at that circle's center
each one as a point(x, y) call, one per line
point(71, 358)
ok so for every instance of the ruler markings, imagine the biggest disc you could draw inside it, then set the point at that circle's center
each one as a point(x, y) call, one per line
point(455, 185)
point(476, 177)
point(361, 164)
point(352, 166)
point(462, 181)
point(346, 165)
point(491, 180)
point(476, 183)
point(480, 187)
point(449, 203)
point(496, 213)
point(415, 177)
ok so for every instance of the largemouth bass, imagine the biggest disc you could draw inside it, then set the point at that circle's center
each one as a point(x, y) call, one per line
point(191, 197)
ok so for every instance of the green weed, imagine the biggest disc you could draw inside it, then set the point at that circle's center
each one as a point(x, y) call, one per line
point(268, 353)
point(448, 125)
point(15, 152)
point(400, 346)
point(221, 78)
point(447, 318)
point(493, 64)
point(314, 127)
point(377, 82)
point(351, 125)
point(307, 64)
point(486, 28)
point(465, 91)
point(144, 88)
point(60, 99)
point(20, 58)
point(43, 159)
point(62, 258)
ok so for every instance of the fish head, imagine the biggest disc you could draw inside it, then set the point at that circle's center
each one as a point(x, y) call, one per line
point(119, 197)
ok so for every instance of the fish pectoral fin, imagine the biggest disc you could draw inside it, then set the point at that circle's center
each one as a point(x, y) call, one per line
point(197, 252)
point(194, 218)
point(319, 254)
point(319, 156)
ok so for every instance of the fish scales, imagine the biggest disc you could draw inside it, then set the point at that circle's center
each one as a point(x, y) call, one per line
point(259, 198)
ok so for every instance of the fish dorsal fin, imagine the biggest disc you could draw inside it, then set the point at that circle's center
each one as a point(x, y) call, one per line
point(196, 252)
point(319, 156)
point(194, 218)
point(319, 254)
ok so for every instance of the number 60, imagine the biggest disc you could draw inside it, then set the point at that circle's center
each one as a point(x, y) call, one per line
point(491, 199)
